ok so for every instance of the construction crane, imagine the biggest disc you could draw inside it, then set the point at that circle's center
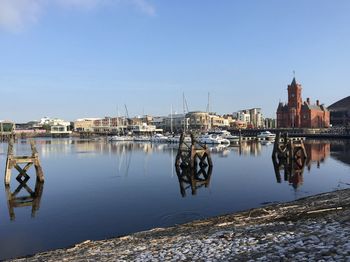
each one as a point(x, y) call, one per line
point(127, 113)
point(208, 105)
point(185, 105)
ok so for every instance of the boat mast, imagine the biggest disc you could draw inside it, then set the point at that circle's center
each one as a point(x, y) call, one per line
point(184, 110)
point(171, 118)
point(208, 110)
point(118, 123)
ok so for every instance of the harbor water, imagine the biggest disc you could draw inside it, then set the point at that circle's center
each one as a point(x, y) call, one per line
point(96, 189)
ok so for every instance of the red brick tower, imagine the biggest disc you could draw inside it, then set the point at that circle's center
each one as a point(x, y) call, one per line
point(294, 104)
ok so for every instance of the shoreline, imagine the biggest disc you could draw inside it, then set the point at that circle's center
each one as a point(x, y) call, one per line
point(312, 228)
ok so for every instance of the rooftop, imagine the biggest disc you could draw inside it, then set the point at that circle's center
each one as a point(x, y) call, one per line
point(343, 104)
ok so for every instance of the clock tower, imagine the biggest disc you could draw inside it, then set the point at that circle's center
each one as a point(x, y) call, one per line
point(294, 104)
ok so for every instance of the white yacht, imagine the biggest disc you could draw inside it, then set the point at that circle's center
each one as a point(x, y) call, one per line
point(176, 139)
point(121, 138)
point(142, 139)
point(159, 138)
point(267, 135)
point(212, 139)
point(227, 135)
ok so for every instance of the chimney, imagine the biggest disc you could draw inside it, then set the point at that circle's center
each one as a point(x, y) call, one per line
point(308, 100)
point(318, 102)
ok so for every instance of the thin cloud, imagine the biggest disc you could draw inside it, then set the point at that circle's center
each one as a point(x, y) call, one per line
point(80, 4)
point(16, 14)
point(144, 6)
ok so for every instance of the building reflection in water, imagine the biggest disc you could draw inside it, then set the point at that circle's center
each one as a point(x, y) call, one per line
point(250, 148)
point(193, 179)
point(31, 199)
point(293, 171)
point(317, 152)
point(340, 151)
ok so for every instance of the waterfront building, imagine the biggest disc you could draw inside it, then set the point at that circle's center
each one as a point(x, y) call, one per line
point(242, 115)
point(110, 125)
point(218, 122)
point(159, 122)
point(85, 124)
point(269, 123)
point(140, 120)
point(143, 129)
point(198, 120)
point(46, 121)
point(299, 114)
point(256, 118)
point(60, 129)
point(175, 123)
point(340, 112)
point(252, 118)
point(230, 119)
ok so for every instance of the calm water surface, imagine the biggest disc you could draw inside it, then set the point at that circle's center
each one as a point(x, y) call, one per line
point(96, 190)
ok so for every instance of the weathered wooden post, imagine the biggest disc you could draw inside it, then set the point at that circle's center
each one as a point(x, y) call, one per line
point(15, 161)
point(37, 165)
point(9, 162)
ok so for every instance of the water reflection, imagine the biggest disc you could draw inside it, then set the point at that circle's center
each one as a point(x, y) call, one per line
point(92, 147)
point(122, 188)
point(293, 170)
point(31, 199)
point(317, 152)
point(340, 150)
point(193, 179)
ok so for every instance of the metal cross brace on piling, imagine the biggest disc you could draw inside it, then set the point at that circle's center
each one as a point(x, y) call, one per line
point(13, 161)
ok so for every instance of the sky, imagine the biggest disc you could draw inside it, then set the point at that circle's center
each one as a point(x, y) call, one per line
point(89, 58)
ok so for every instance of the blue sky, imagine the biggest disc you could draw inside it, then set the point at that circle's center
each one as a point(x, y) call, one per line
point(83, 58)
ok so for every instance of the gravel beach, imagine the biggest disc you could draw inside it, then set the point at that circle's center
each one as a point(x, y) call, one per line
point(315, 228)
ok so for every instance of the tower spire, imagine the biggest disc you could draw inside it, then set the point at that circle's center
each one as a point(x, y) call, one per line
point(294, 82)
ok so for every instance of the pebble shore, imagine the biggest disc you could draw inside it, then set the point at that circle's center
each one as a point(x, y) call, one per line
point(316, 228)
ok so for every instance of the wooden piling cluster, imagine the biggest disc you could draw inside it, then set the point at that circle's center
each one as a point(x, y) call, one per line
point(288, 149)
point(290, 156)
point(16, 162)
point(193, 153)
point(193, 165)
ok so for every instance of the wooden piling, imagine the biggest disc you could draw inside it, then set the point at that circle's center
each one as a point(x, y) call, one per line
point(193, 164)
point(290, 149)
point(15, 162)
point(190, 155)
point(289, 154)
